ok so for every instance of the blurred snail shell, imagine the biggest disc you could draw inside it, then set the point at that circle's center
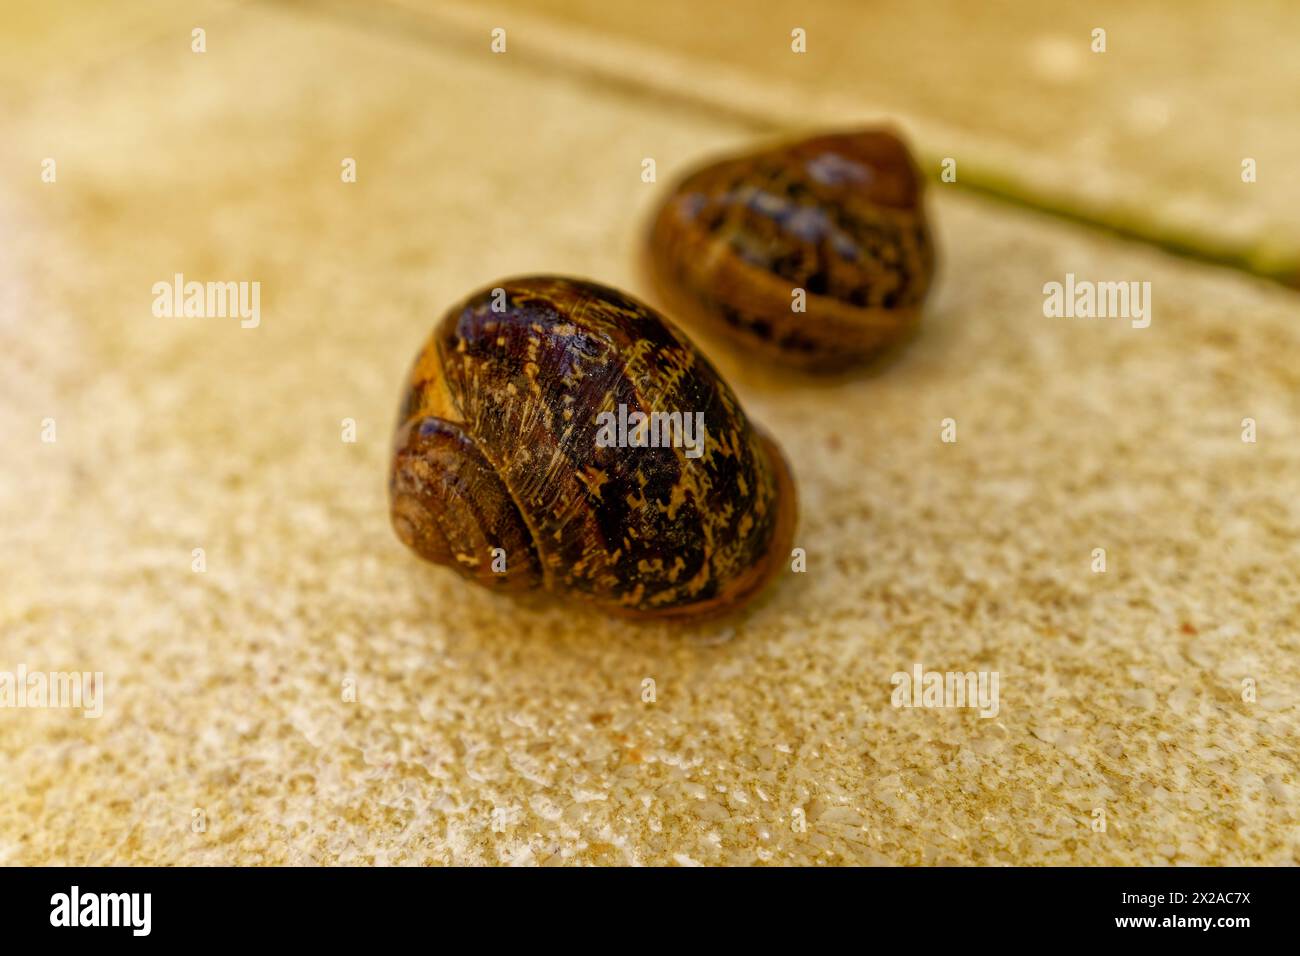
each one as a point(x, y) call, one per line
point(839, 217)
point(497, 448)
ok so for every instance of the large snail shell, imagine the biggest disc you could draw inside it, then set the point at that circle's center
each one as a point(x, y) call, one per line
point(839, 217)
point(496, 448)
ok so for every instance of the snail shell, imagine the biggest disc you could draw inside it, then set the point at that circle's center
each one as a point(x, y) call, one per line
point(496, 447)
point(839, 217)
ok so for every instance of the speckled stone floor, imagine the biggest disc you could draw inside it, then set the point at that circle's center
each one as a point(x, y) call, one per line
point(317, 695)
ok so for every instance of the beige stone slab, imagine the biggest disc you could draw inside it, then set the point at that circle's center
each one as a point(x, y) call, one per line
point(488, 733)
point(1147, 138)
point(54, 44)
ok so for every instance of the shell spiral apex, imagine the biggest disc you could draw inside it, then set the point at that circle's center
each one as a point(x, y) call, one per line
point(557, 434)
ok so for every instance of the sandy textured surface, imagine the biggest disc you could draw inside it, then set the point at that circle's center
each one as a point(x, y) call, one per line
point(483, 732)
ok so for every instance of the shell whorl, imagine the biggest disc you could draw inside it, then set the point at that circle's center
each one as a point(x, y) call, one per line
point(449, 506)
point(514, 394)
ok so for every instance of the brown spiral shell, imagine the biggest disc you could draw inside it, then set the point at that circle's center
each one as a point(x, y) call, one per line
point(838, 216)
point(496, 449)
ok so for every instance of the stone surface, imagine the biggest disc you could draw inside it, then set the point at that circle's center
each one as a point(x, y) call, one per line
point(1147, 138)
point(487, 732)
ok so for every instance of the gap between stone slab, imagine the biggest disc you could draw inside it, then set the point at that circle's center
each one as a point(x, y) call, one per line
point(772, 109)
